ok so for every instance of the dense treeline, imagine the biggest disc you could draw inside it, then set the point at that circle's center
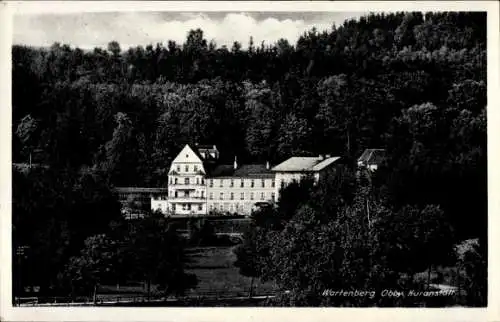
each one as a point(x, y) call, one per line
point(412, 83)
point(344, 235)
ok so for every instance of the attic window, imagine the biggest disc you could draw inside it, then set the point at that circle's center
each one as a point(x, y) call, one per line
point(187, 156)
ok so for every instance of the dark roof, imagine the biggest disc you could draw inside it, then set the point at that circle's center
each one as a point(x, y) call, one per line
point(250, 170)
point(372, 156)
point(222, 170)
point(247, 170)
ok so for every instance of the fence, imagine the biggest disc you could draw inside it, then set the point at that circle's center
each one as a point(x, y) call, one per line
point(138, 299)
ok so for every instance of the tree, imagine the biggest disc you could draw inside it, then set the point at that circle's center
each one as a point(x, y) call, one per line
point(252, 256)
point(114, 48)
point(311, 257)
point(472, 259)
point(260, 132)
point(96, 264)
point(121, 151)
point(26, 132)
point(420, 239)
point(201, 233)
point(335, 115)
point(292, 196)
point(43, 198)
point(155, 254)
point(294, 136)
point(248, 255)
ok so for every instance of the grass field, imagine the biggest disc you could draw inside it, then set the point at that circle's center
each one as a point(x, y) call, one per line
point(217, 276)
point(216, 273)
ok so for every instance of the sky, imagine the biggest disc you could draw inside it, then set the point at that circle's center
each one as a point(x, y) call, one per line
point(96, 29)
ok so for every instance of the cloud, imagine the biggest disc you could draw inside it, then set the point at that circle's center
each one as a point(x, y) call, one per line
point(88, 30)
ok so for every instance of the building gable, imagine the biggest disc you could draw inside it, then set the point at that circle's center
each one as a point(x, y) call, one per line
point(187, 156)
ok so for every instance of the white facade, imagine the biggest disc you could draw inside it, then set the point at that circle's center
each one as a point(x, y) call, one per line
point(159, 204)
point(239, 194)
point(187, 192)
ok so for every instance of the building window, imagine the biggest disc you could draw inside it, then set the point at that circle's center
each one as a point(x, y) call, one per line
point(242, 196)
point(173, 207)
point(211, 207)
point(189, 206)
point(222, 196)
point(272, 183)
point(211, 183)
point(263, 183)
point(272, 196)
point(251, 195)
point(221, 207)
point(261, 196)
point(200, 207)
point(221, 181)
point(252, 183)
point(175, 180)
point(232, 196)
point(242, 183)
point(175, 194)
point(202, 181)
point(186, 168)
point(202, 194)
point(211, 196)
point(178, 168)
point(232, 183)
point(186, 180)
point(195, 168)
point(197, 180)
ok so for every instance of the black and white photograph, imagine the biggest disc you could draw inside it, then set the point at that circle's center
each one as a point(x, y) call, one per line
point(249, 158)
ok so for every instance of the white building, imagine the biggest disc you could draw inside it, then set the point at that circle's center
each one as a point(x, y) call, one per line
point(371, 159)
point(296, 168)
point(198, 185)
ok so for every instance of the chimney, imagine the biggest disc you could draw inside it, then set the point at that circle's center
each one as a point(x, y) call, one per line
point(267, 165)
point(235, 163)
point(328, 156)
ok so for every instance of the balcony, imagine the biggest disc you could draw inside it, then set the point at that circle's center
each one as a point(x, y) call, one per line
point(187, 199)
point(183, 186)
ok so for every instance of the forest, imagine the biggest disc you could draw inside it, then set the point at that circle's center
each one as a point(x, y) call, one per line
point(411, 83)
